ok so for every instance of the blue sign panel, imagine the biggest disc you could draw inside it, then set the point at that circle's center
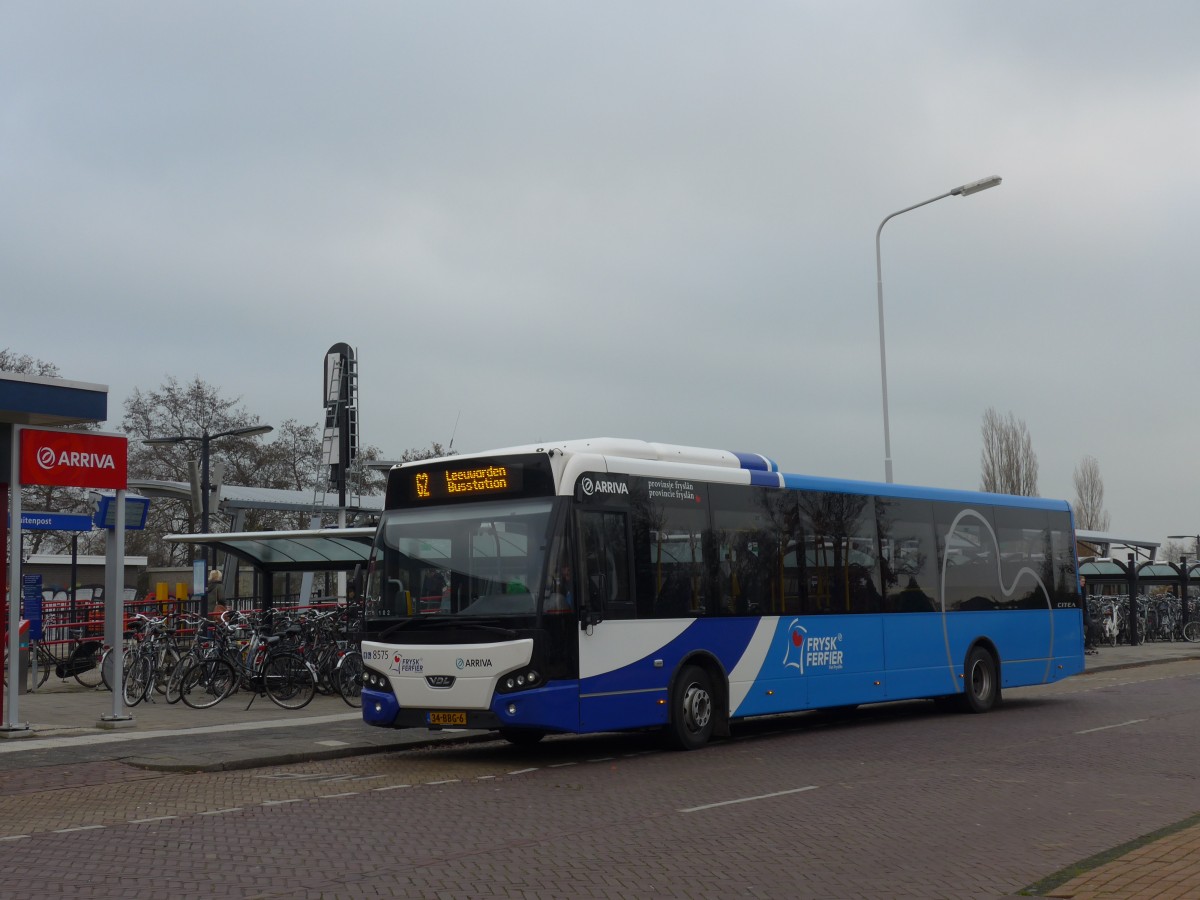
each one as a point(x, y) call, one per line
point(31, 591)
point(46, 521)
point(136, 510)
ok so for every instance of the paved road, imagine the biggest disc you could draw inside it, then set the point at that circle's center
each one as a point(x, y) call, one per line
point(65, 726)
point(893, 801)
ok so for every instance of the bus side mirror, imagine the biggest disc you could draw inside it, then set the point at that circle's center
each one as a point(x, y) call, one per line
point(356, 581)
point(589, 617)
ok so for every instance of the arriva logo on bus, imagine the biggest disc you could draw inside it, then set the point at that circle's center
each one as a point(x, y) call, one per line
point(602, 486)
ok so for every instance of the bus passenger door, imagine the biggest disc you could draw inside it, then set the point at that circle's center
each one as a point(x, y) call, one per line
point(612, 679)
point(604, 554)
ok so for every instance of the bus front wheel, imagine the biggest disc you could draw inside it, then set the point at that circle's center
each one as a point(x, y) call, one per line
point(691, 709)
point(522, 737)
point(981, 688)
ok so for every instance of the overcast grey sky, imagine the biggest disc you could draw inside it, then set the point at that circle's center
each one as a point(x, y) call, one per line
point(634, 219)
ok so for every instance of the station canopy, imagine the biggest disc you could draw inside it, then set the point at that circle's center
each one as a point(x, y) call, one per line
point(1105, 545)
point(233, 498)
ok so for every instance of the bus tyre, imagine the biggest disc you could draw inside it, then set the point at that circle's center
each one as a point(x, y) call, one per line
point(691, 709)
point(522, 737)
point(981, 687)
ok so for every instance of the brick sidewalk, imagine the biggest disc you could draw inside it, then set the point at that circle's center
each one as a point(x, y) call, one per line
point(1158, 866)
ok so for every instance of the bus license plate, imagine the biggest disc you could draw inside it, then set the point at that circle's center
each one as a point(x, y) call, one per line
point(447, 718)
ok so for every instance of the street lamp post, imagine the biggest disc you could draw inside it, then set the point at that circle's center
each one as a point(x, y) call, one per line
point(964, 190)
point(205, 439)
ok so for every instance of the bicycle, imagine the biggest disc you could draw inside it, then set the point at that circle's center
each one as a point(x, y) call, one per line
point(269, 666)
point(152, 660)
point(79, 662)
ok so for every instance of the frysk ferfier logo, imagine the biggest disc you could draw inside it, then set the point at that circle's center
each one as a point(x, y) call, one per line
point(74, 459)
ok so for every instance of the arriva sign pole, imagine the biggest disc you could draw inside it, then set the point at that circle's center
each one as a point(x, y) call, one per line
point(14, 590)
point(85, 459)
point(114, 613)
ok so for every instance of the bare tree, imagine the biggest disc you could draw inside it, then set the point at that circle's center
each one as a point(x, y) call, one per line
point(1008, 464)
point(193, 409)
point(1090, 514)
point(24, 364)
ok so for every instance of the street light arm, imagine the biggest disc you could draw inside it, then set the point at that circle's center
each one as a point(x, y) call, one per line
point(952, 193)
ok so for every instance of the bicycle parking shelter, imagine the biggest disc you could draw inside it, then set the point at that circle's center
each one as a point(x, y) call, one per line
point(1108, 576)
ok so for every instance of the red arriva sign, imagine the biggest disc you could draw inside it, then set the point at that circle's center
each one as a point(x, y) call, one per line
point(74, 459)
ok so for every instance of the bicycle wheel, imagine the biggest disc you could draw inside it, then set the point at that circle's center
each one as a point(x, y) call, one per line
point(87, 671)
point(46, 663)
point(1191, 631)
point(165, 665)
point(348, 678)
point(205, 682)
point(288, 681)
point(138, 679)
point(325, 662)
point(173, 692)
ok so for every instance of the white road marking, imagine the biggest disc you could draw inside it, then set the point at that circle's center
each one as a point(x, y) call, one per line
point(1106, 727)
point(811, 787)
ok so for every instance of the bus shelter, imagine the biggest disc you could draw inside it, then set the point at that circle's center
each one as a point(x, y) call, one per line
point(269, 554)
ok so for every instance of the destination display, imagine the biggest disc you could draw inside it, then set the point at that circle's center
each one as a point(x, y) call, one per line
point(465, 482)
point(473, 479)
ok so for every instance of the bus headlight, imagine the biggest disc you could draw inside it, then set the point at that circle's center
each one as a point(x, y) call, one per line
point(376, 681)
point(519, 681)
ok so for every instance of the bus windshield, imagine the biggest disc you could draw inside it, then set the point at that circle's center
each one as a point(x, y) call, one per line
point(476, 559)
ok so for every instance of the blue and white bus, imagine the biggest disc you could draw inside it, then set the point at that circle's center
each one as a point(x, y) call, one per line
point(601, 585)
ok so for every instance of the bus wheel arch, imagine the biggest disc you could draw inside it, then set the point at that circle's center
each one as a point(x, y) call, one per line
point(981, 678)
point(699, 703)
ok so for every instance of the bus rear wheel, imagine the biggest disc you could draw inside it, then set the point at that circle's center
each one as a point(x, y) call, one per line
point(691, 709)
point(981, 687)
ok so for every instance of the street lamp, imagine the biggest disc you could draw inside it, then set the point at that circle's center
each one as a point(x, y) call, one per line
point(964, 190)
point(206, 440)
